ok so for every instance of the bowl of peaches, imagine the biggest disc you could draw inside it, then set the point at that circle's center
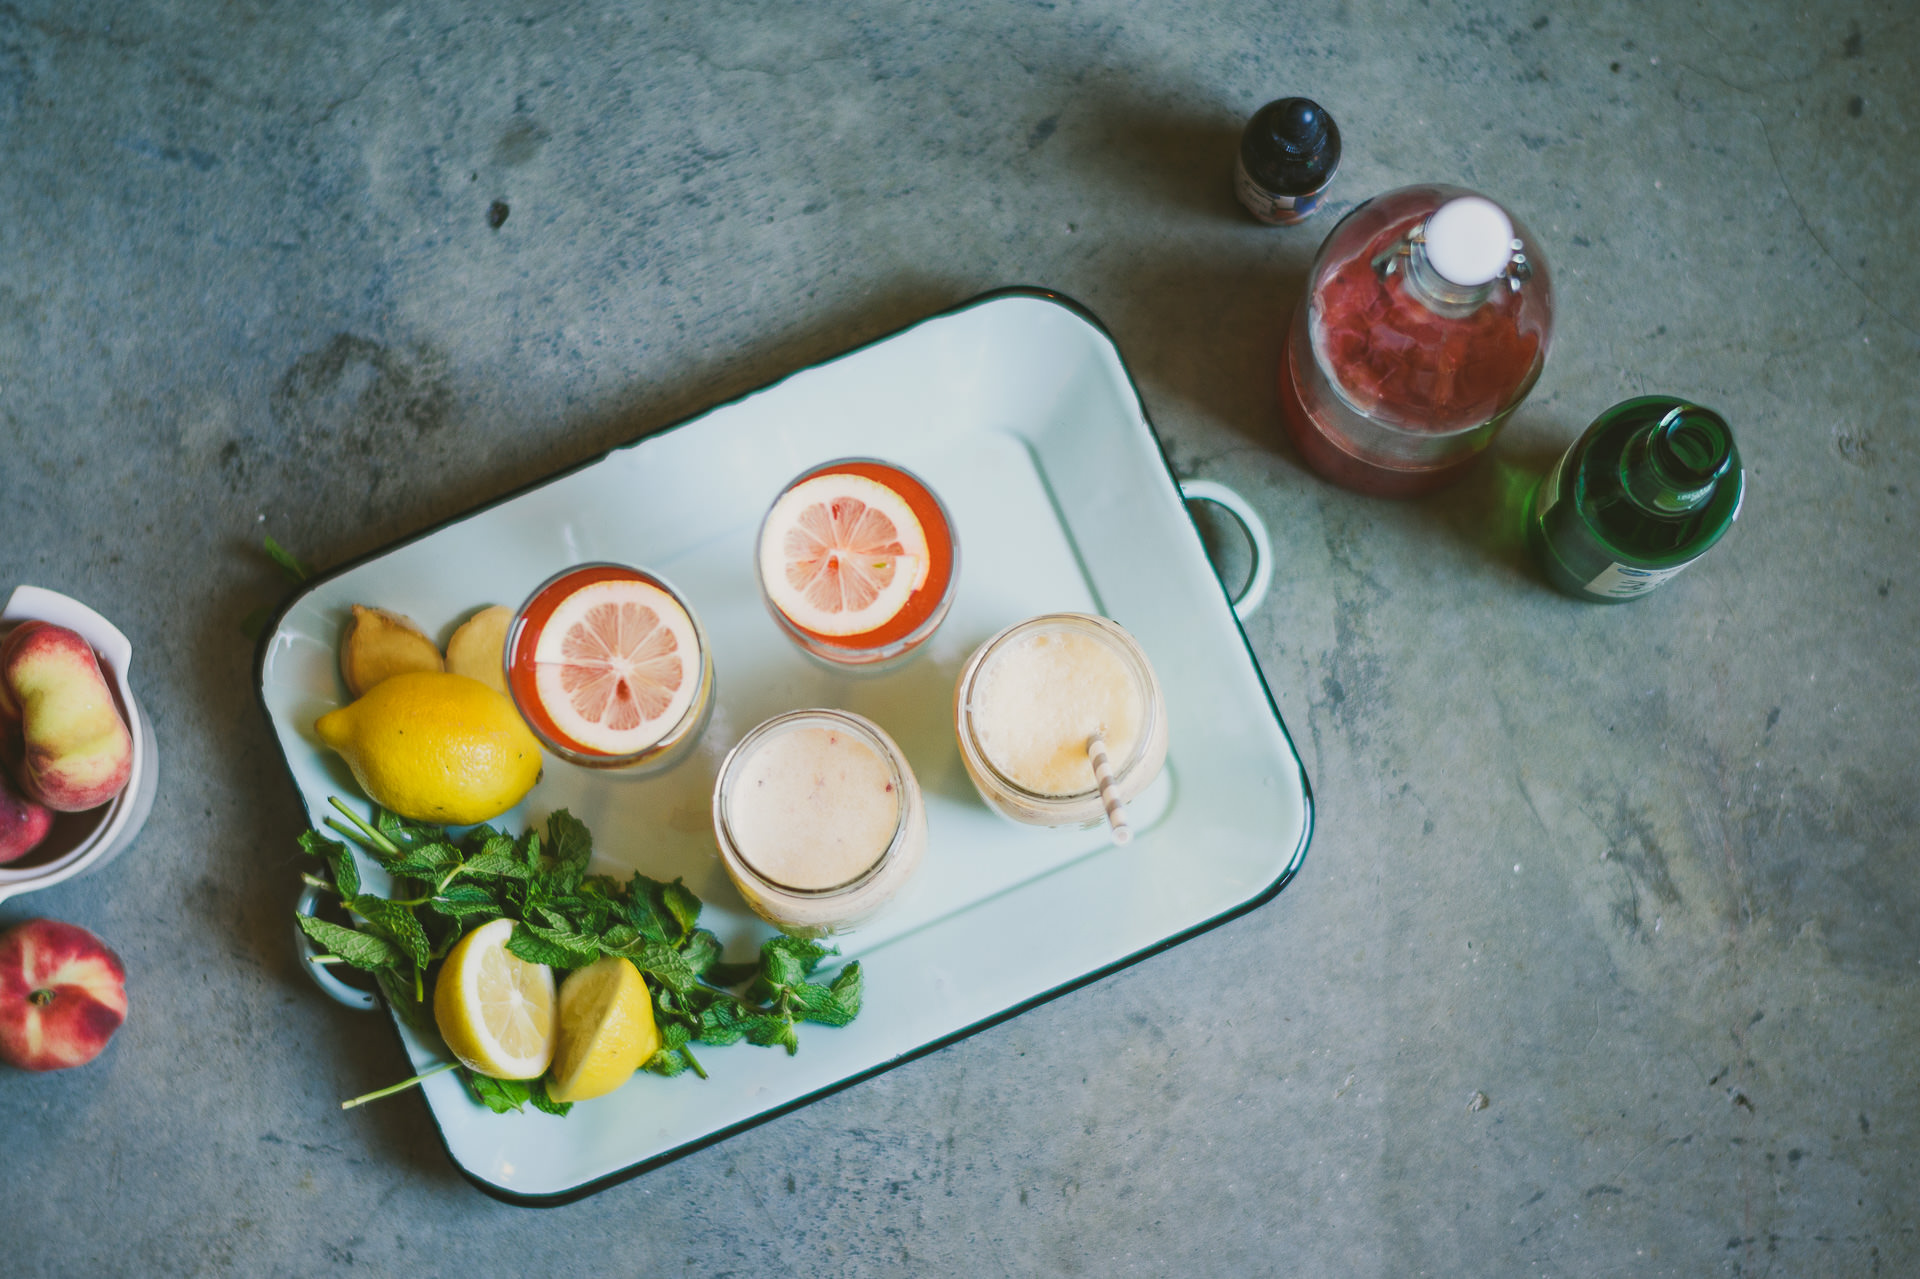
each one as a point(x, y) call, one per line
point(77, 756)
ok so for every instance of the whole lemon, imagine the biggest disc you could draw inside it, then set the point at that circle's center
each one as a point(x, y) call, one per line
point(436, 747)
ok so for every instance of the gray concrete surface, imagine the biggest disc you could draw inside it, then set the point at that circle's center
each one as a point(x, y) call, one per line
point(1645, 877)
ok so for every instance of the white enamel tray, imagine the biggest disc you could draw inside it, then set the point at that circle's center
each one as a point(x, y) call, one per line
point(1017, 409)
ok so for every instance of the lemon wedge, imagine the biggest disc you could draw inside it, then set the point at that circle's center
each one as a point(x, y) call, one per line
point(494, 1009)
point(606, 1030)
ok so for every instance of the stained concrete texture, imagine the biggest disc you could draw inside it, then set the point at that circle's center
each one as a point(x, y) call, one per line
point(1640, 880)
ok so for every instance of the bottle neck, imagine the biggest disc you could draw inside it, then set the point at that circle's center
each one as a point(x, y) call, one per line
point(1673, 466)
point(1432, 290)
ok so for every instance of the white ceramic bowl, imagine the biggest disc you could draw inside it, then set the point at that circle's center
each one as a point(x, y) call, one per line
point(81, 842)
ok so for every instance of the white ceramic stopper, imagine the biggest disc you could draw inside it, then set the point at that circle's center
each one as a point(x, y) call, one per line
point(1469, 240)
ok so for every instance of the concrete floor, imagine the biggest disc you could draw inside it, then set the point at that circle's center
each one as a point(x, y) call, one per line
point(1645, 877)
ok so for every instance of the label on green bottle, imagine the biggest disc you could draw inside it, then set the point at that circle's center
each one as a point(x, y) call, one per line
point(1550, 488)
point(1620, 582)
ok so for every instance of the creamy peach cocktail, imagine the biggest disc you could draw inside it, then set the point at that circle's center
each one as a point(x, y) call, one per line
point(1031, 699)
point(819, 820)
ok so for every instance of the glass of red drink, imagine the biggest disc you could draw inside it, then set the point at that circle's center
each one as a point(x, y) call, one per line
point(610, 669)
point(857, 562)
point(1426, 321)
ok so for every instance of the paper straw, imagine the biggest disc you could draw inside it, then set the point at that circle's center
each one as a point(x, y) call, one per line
point(1103, 773)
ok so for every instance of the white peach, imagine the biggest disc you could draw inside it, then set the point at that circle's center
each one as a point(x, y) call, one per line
point(77, 753)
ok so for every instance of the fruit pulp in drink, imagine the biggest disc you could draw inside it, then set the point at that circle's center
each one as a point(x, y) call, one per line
point(1389, 388)
point(828, 552)
point(610, 669)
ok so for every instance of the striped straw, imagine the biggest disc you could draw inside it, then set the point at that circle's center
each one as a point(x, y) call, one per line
point(1103, 774)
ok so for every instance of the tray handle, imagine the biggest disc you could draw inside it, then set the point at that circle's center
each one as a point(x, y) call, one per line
point(338, 991)
point(1261, 579)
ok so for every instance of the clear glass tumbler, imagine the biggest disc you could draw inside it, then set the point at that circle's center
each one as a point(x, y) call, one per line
point(1031, 698)
point(857, 562)
point(820, 820)
point(610, 668)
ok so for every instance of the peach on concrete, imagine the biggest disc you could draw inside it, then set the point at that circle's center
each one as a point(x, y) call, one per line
point(63, 992)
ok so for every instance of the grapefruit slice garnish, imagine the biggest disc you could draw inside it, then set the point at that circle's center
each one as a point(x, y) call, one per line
point(617, 665)
point(840, 554)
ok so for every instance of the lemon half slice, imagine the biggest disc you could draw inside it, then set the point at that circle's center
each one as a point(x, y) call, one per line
point(494, 1009)
point(606, 1030)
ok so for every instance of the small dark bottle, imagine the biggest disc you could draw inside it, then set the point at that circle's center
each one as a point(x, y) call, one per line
point(1646, 491)
point(1288, 154)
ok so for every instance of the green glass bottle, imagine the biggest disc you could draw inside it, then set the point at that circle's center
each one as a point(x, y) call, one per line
point(1650, 486)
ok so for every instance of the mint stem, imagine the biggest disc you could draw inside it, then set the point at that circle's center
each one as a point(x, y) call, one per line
point(378, 840)
point(353, 836)
point(402, 1086)
point(692, 1061)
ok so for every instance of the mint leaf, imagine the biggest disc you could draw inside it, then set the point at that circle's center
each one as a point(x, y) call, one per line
point(536, 945)
point(786, 961)
point(701, 951)
point(537, 1094)
point(828, 1005)
point(680, 904)
point(666, 1062)
point(426, 861)
point(288, 562)
point(396, 829)
point(571, 841)
point(495, 866)
point(398, 923)
point(849, 988)
point(564, 918)
point(663, 964)
point(339, 860)
point(497, 1095)
point(466, 901)
point(771, 1030)
point(362, 950)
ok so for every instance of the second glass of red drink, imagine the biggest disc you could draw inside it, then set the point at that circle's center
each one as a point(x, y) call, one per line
point(857, 562)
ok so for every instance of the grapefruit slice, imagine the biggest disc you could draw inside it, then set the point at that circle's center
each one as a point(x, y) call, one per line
point(840, 554)
point(617, 665)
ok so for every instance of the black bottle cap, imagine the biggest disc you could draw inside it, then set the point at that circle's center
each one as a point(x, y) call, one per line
point(1299, 126)
point(1291, 146)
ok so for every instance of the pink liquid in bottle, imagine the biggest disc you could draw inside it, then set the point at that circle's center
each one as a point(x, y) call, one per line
point(1420, 333)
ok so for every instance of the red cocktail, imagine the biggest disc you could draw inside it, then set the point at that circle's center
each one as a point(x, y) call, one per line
point(609, 668)
point(857, 562)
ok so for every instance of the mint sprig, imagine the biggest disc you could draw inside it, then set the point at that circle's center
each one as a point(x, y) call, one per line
point(444, 886)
